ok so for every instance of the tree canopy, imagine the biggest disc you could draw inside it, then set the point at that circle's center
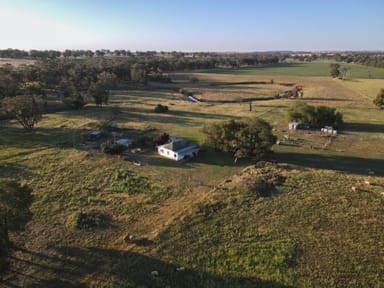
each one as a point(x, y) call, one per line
point(250, 138)
point(334, 69)
point(99, 94)
point(315, 116)
point(379, 100)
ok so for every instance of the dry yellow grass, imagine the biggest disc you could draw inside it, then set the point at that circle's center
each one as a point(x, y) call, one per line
point(16, 62)
point(366, 88)
point(316, 89)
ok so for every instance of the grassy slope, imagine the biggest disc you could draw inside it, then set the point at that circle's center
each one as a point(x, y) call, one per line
point(68, 177)
point(318, 68)
point(314, 232)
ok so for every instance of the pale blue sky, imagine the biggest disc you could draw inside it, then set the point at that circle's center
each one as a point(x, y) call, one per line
point(194, 25)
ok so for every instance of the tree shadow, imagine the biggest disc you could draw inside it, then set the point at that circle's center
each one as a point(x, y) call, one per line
point(211, 156)
point(42, 138)
point(325, 99)
point(80, 267)
point(363, 127)
point(354, 165)
point(13, 171)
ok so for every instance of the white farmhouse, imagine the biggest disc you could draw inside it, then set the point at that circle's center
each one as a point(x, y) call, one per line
point(178, 149)
point(293, 125)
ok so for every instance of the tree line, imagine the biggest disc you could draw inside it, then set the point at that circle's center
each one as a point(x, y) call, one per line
point(77, 76)
point(373, 59)
point(204, 60)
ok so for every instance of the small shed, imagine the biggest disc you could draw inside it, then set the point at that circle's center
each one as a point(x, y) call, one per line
point(94, 135)
point(124, 141)
point(293, 125)
point(178, 149)
point(329, 130)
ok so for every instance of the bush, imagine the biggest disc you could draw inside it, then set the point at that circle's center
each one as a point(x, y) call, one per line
point(379, 100)
point(130, 183)
point(112, 148)
point(88, 220)
point(161, 108)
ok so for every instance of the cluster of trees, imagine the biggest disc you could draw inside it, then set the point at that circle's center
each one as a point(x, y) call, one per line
point(374, 59)
point(250, 138)
point(49, 54)
point(315, 116)
point(24, 89)
point(337, 71)
point(15, 200)
point(75, 81)
point(202, 60)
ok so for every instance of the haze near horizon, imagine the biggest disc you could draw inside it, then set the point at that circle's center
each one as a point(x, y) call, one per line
point(221, 26)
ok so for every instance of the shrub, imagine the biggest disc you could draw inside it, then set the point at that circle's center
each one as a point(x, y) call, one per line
point(27, 109)
point(130, 183)
point(161, 108)
point(93, 219)
point(109, 147)
point(379, 100)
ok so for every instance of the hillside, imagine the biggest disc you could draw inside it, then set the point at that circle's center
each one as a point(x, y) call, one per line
point(309, 229)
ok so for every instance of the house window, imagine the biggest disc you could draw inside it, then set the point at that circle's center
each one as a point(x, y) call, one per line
point(175, 155)
point(161, 150)
point(167, 152)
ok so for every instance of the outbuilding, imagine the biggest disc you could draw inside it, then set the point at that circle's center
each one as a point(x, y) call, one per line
point(178, 149)
point(293, 125)
point(124, 141)
point(94, 135)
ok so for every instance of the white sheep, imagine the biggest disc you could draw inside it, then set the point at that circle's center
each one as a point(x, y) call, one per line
point(353, 188)
point(367, 183)
point(155, 273)
point(182, 268)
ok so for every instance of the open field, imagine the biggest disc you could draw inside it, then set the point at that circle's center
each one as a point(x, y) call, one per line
point(16, 62)
point(309, 69)
point(312, 231)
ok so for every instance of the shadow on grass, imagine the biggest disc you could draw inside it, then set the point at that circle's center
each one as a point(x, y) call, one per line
point(326, 99)
point(13, 171)
point(80, 267)
point(212, 157)
point(354, 165)
point(251, 68)
point(41, 138)
point(363, 127)
point(206, 156)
